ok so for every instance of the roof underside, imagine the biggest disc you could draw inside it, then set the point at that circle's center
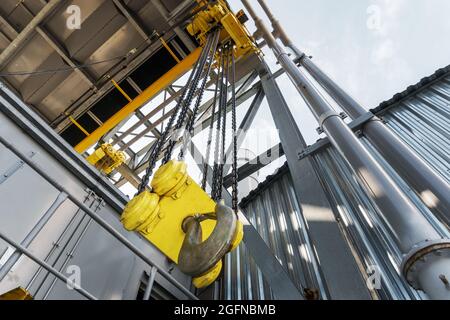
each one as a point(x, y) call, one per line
point(117, 40)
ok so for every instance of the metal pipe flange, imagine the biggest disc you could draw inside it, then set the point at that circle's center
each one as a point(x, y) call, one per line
point(426, 265)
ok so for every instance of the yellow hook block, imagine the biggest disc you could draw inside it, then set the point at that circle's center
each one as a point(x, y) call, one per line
point(238, 236)
point(16, 294)
point(161, 222)
point(208, 278)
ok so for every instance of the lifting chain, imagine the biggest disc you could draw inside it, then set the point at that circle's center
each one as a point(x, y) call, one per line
point(217, 129)
point(211, 229)
point(227, 61)
point(211, 126)
point(217, 158)
point(190, 123)
point(187, 103)
point(233, 128)
point(184, 99)
point(224, 125)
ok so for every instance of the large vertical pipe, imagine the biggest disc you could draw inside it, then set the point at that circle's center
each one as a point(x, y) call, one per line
point(409, 227)
point(278, 30)
point(430, 186)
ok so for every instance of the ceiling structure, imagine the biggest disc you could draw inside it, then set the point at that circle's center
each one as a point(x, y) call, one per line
point(78, 79)
point(118, 40)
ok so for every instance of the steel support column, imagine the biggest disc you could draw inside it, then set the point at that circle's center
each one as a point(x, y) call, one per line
point(338, 267)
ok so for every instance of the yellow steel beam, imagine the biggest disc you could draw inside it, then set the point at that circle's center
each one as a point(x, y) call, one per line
point(164, 43)
point(121, 90)
point(170, 77)
point(79, 126)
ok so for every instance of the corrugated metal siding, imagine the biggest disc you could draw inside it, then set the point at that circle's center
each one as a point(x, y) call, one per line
point(363, 223)
point(276, 214)
point(422, 120)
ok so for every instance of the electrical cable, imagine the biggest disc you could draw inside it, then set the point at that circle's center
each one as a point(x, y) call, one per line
point(46, 71)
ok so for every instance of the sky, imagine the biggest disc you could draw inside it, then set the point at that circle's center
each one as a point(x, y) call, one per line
point(372, 48)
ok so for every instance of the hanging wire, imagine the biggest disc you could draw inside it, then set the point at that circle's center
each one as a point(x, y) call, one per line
point(46, 71)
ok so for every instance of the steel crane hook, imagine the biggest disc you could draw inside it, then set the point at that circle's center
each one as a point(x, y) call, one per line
point(197, 258)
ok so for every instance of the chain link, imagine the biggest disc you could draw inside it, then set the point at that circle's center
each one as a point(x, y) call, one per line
point(218, 126)
point(211, 125)
point(233, 128)
point(187, 102)
point(190, 123)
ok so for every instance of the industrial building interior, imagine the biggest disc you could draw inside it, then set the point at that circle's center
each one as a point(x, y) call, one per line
point(129, 168)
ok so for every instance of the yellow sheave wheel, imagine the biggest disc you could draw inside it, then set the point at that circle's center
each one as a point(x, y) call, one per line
point(238, 236)
point(208, 278)
point(141, 211)
point(169, 178)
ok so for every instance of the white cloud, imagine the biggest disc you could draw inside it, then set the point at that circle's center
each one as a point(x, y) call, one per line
point(383, 52)
point(385, 15)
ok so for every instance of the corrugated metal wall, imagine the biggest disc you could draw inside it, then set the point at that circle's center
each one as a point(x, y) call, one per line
point(422, 120)
point(276, 215)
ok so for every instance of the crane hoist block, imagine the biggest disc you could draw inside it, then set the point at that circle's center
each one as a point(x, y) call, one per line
point(218, 14)
point(106, 158)
point(159, 215)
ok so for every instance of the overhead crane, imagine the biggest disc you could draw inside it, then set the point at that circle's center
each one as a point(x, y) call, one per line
point(199, 228)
